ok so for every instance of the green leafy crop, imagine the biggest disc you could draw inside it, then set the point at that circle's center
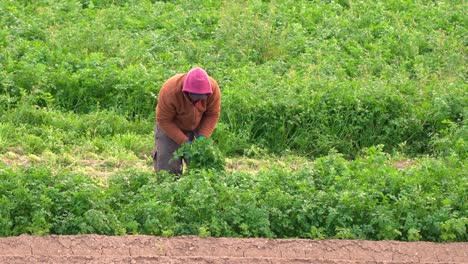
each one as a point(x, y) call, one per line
point(351, 86)
point(367, 198)
point(201, 154)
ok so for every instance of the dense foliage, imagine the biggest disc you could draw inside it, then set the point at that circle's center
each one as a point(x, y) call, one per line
point(367, 199)
point(301, 75)
point(351, 86)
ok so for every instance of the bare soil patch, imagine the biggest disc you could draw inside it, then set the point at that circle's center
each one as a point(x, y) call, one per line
point(191, 249)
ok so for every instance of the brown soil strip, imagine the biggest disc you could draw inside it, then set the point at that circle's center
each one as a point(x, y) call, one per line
point(190, 249)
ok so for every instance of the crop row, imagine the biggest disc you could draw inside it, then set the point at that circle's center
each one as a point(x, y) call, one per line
point(368, 198)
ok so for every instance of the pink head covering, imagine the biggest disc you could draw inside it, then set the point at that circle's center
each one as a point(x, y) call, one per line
point(197, 82)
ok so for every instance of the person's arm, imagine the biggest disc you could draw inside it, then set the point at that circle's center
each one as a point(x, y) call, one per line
point(165, 114)
point(213, 110)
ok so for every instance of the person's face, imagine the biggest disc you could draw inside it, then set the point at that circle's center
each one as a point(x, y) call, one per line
point(195, 97)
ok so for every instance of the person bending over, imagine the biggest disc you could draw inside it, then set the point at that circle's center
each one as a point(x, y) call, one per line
point(188, 109)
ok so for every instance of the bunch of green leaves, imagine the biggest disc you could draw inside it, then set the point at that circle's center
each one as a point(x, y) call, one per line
point(201, 154)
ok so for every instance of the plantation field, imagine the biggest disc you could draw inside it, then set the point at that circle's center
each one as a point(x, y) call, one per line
point(340, 119)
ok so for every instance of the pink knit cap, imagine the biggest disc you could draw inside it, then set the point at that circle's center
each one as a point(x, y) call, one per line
point(197, 82)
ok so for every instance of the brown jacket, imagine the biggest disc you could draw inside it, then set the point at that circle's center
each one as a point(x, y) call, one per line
point(176, 114)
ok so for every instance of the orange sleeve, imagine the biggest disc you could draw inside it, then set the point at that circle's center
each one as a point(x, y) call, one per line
point(165, 114)
point(213, 110)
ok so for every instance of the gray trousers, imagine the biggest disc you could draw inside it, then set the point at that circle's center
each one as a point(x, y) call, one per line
point(164, 148)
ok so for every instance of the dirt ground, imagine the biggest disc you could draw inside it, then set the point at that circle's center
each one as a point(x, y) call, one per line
point(191, 249)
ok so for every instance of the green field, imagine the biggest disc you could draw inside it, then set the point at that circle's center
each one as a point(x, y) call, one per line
point(340, 119)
